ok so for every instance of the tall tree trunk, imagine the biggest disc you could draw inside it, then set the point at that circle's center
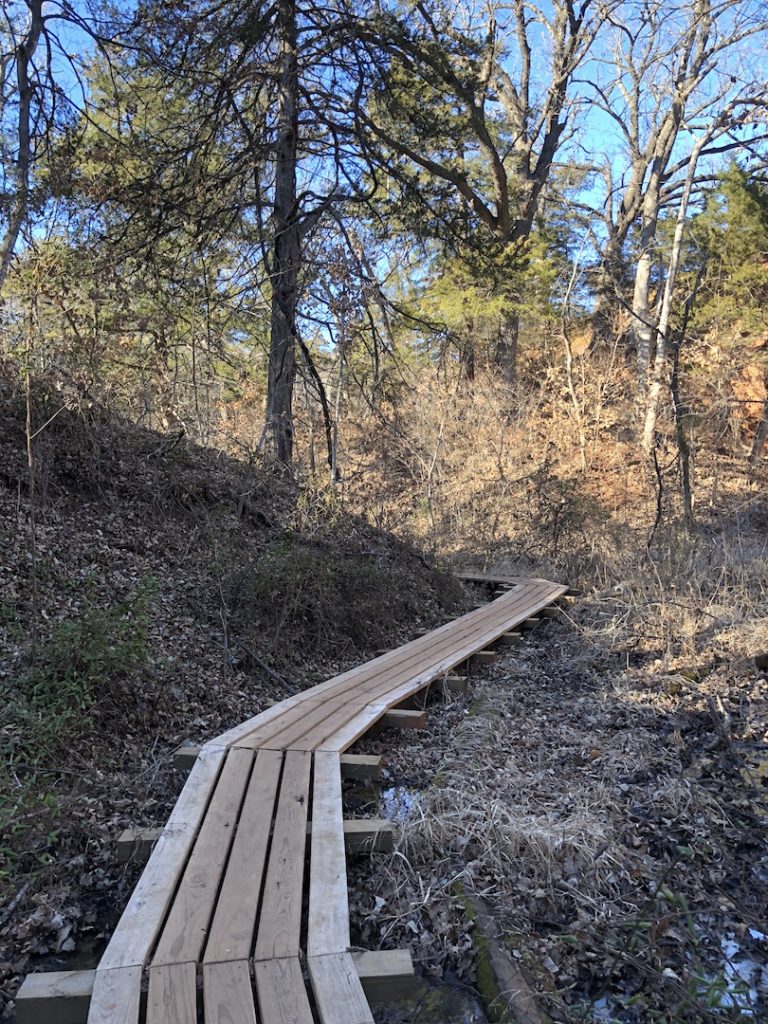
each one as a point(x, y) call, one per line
point(19, 204)
point(661, 330)
point(643, 330)
point(505, 357)
point(287, 245)
point(609, 290)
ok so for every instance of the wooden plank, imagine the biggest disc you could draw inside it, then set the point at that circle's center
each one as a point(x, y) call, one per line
point(385, 974)
point(234, 921)
point(184, 757)
point(454, 685)
point(136, 844)
point(401, 719)
point(338, 993)
point(116, 996)
point(513, 637)
point(233, 736)
point(63, 997)
point(185, 930)
point(172, 997)
point(485, 657)
point(551, 612)
point(345, 735)
point(55, 997)
point(423, 659)
point(531, 622)
point(132, 939)
point(280, 921)
point(281, 992)
point(328, 926)
point(353, 766)
point(228, 994)
point(360, 766)
point(246, 899)
point(368, 835)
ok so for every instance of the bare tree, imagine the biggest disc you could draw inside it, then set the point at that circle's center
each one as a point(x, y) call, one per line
point(18, 63)
point(672, 70)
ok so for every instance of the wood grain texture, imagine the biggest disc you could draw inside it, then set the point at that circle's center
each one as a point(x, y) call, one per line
point(337, 990)
point(328, 926)
point(116, 996)
point(280, 920)
point(172, 997)
point(385, 974)
point(56, 997)
point(228, 994)
point(137, 929)
point(281, 992)
point(185, 930)
point(465, 635)
point(234, 921)
point(182, 879)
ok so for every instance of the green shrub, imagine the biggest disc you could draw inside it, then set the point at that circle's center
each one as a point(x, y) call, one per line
point(49, 709)
point(84, 660)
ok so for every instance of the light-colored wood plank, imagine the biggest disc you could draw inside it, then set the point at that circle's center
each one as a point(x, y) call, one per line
point(345, 735)
point(55, 997)
point(453, 685)
point(234, 921)
point(427, 657)
point(281, 992)
point(360, 766)
point(328, 926)
point(280, 920)
point(136, 844)
point(337, 990)
point(135, 933)
point(385, 974)
point(172, 997)
point(116, 997)
point(232, 736)
point(398, 718)
point(485, 658)
point(368, 835)
point(228, 994)
point(185, 930)
point(185, 757)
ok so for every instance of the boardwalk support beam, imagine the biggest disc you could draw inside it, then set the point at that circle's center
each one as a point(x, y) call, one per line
point(63, 997)
point(361, 835)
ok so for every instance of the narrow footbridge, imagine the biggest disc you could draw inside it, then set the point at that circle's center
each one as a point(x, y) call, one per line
point(241, 914)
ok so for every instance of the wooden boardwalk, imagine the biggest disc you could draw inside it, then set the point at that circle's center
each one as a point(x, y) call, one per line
point(241, 913)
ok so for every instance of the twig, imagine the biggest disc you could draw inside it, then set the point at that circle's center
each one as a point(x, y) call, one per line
point(14, 903)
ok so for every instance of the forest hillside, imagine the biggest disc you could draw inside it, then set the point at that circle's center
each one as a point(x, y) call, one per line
point(305, 310)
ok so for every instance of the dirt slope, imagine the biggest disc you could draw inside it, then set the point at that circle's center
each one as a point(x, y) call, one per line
point(170, 592)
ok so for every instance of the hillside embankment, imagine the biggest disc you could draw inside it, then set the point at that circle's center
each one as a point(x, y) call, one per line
point(152, 592)
point(603, 788)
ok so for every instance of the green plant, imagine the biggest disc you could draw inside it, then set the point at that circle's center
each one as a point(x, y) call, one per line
point(84, 660)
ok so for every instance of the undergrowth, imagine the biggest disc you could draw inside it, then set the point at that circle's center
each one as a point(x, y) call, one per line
point(86, 663)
